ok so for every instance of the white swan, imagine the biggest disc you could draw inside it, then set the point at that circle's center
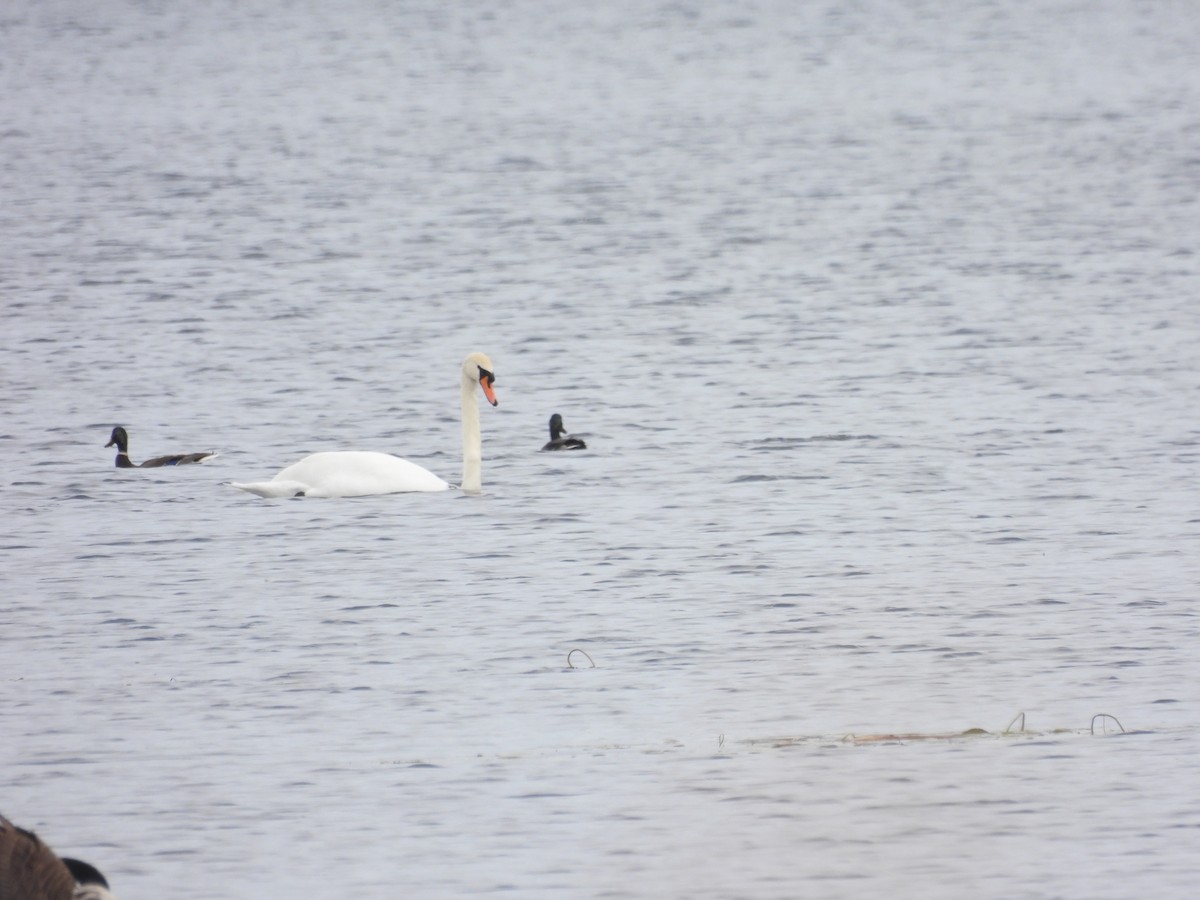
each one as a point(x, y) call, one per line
point(359, 473)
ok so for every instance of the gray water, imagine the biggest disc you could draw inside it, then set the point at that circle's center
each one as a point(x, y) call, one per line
point(879, 319)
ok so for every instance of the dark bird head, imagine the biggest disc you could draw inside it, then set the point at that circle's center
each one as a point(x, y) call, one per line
point(120, 439)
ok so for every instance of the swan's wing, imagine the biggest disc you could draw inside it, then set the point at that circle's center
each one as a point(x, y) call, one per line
point(360, 473)
point(347, 473)
point(272, 489)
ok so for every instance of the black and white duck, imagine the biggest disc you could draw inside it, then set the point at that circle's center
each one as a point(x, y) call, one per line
point(559, 439)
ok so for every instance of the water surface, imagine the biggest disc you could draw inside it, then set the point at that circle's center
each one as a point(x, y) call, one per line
point(878, 320)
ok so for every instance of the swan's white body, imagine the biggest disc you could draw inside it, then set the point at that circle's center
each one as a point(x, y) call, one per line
point(361, 473)
point(347, 473)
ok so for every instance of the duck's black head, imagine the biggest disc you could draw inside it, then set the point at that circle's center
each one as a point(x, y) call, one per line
point(120, 439)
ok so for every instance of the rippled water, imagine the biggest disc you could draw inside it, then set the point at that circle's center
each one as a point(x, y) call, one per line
point(879, 319)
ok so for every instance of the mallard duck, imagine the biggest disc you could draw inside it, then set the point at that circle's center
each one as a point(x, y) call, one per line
point(559, 439)
point(121, 439)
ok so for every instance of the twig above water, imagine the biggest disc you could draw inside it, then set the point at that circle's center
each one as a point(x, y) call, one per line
point(1020, 716)
point(584, 652)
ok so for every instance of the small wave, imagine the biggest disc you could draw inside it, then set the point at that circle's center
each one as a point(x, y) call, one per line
point(793, 443)
point(747, 479)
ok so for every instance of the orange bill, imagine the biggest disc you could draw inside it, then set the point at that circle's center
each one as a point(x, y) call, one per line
point(485, 382)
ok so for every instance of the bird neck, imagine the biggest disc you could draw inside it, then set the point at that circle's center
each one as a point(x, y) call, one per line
point(472, 439)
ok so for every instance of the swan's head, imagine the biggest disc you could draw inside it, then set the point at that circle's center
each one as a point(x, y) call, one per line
point(477, 369)
point(120, 438)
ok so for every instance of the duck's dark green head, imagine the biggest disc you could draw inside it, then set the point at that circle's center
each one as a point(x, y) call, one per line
point(120, 439)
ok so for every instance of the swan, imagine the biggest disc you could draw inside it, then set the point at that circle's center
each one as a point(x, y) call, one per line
point(559, 439)
point(28, 869)
point(121, 439)
point(361, 473)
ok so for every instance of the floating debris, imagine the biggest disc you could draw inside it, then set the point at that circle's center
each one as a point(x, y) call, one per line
point(584, 652)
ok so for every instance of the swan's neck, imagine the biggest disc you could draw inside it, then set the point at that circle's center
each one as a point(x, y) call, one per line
point(472, 479)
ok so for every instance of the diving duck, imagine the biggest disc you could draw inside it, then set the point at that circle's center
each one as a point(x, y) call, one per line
point(559, 439)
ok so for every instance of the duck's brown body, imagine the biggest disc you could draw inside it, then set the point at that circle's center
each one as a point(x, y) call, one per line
point(121, 440)
point(29, 870)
